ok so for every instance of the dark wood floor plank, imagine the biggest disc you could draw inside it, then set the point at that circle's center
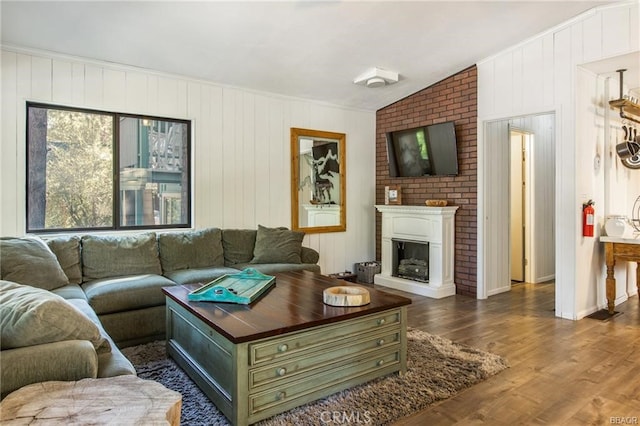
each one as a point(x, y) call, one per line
point(561, 372)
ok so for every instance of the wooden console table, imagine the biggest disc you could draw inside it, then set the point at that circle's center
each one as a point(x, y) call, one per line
point(626, 249)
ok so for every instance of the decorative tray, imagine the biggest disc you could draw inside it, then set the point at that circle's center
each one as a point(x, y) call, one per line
point(243, 288)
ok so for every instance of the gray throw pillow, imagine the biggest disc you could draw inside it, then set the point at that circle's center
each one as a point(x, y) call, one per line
point(29, 261)
point(32, 316)
point(238, 245)
point(67, 250)
point(191, 249)
point(277, 245)
point(115, 256)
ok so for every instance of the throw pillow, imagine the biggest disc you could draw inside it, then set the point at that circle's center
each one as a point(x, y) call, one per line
point(114, 256)
point(191, 249)
point(277, 245)
point(67, 250)
point(33, 316)
point(238, 245)
point(29, 261)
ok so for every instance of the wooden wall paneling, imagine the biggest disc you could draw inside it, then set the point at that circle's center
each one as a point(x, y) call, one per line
point(93, 87)
point(8, 150)
point(153, 89)
point(279, 165)
point(548, 76)
point(486, 94)
point(77, 84)
point(262, 197)
point(248, 161)
point(41, 70)
point(592, 32)
point(115, 84)
point(61, 86)
point(167, 105)
point(228, 141)
point(136, 93)
point(517, 84)
point(532, 78)
point(503, 83)
point(616, 30)
point(209, 168)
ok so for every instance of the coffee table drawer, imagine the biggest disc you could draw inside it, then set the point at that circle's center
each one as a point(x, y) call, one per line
point(331, 358)
point(315, 339)
point(306, 385)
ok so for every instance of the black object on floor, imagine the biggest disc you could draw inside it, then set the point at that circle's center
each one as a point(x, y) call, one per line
point(603, 315)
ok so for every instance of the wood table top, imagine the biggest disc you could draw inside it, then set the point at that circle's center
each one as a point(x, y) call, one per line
point(293, 303)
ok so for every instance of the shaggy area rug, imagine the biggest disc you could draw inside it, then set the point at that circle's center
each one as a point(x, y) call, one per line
point(437, 368)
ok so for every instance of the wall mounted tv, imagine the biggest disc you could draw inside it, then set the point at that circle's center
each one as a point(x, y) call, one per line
point(423, 151)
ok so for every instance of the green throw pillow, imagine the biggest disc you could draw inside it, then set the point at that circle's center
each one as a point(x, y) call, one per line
point(33, 316)
point(67, 250)
point(277, 245)
point(29, 261)
point(116, 256)
point(238, 245)
point(191, 249)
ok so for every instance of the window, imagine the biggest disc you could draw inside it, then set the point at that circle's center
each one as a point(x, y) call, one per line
point(92, 170)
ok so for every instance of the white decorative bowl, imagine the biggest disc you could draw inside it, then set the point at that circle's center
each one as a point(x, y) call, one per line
point(346, 296)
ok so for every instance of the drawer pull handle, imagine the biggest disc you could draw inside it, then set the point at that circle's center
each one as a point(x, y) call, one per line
point(380, 342)
point(283, 348)
point(281, 371)
point(381, 321)
point(380, 362)
point(281, 396)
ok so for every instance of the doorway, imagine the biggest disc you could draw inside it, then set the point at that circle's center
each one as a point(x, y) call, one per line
point(519, 148)
point(534, 232)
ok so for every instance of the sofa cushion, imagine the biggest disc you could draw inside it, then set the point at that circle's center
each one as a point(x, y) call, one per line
point(191, 249)
point(33, 316)
point(117, 294)
point(277, 245)
point(114, 256)
point(67, 251)
point(238, 245)
point(201, 275)
point(71, 291)
point(30, 261)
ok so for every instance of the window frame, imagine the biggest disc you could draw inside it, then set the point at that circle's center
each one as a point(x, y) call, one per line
point(115, 172)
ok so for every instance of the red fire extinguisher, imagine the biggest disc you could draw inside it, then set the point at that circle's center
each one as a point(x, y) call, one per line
point(588, 218)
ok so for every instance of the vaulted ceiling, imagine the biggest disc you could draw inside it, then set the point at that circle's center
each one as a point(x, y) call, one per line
point(306, 49)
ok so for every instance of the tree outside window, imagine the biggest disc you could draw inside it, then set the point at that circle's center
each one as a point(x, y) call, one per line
point(99, 170)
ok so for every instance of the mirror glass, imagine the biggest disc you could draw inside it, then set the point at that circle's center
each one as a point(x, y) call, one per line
point(318, 170)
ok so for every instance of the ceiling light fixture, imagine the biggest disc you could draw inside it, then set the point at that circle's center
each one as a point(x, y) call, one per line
point(377, 77)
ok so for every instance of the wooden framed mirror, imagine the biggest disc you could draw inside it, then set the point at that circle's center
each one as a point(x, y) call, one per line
point(318, 190)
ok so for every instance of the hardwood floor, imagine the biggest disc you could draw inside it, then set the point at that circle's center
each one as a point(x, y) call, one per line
point(561, 372)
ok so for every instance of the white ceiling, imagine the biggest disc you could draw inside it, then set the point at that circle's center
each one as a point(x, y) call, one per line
point(306, 49)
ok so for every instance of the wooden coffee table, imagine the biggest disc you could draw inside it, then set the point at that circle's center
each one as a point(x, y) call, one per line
point(285, 349)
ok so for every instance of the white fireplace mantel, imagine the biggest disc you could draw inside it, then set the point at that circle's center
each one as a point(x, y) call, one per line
point(435, 225)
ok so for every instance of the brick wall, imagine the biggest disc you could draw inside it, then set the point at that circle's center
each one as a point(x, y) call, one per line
point(453, 99)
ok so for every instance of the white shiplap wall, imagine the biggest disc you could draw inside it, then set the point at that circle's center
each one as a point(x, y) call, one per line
point(537, 76)
point(241, 159)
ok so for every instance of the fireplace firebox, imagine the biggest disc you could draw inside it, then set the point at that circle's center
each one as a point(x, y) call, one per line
point(411, 260)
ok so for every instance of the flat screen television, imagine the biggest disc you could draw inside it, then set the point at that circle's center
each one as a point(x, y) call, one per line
point(423, 151)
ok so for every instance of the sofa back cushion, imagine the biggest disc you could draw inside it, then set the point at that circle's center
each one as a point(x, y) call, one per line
point(30, 261)
point(191, 249)
point(67, 250)
point(277, 245)
point(33, 316)
point(114, 256)
point(238, 245)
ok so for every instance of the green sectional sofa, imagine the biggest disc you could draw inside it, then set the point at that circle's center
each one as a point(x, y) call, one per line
point(107, 289)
